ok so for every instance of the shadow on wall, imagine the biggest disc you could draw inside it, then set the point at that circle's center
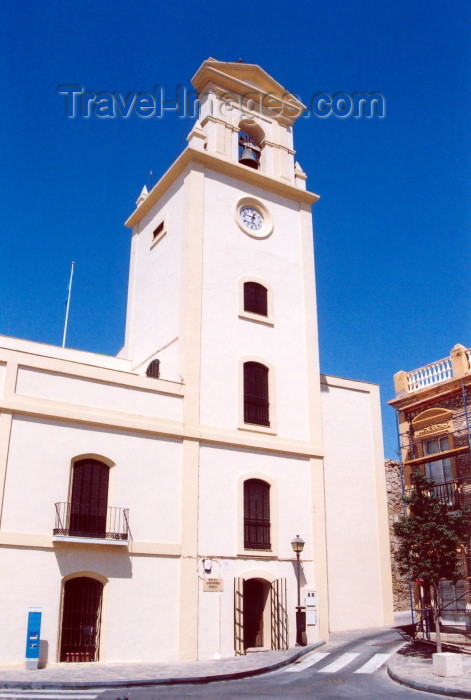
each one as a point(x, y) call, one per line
point(324, 385)
point(43, 653)
point(303, 580)
point(109, 563)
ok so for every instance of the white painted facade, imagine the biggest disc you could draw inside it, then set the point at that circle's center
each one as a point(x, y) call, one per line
point(178, 449)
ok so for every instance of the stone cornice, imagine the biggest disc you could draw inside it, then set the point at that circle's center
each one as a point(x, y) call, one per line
point(242, 79)
point(220, 165)
point(429, 395)
point(118, 420)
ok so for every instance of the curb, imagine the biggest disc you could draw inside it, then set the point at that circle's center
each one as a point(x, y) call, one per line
point(428, 687)
point(85, 685)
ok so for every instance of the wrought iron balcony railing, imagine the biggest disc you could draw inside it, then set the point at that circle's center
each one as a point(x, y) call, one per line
point(456, 492)
point(84, 520)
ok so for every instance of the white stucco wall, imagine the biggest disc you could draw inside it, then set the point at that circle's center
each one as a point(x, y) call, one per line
point(352, 436)
point(216, 610)
point(228, 255)
point(153, 296)
point(140, 602)
point(220, 530)
point(54, 351)
point(145, 478)
point(55, 386)
point(222, 471)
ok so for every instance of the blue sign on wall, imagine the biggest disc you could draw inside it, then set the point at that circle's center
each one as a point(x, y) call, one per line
point(33, 635)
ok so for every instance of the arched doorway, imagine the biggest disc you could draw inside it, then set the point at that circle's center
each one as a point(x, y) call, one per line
point(260, 613)
point(81, 618)
point(256, 634)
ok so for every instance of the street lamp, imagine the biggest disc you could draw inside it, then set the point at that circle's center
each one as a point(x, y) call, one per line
point(298, 545)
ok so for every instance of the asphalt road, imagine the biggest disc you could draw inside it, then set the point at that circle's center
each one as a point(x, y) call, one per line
point(353, 668)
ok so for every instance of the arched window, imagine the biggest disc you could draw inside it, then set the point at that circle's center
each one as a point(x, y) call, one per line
point(153, 370)
point(89, 499)
point(255, 298)
point(256, 514)
point(256, 405)
point(81, 617)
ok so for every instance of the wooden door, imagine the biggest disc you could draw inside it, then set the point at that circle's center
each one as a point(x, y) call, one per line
point(89, 499)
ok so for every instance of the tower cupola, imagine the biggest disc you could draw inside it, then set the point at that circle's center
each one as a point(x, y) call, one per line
point(246, 117)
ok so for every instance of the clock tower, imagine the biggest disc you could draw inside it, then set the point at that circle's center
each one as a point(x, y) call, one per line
point(214, 223)
point(222, 293)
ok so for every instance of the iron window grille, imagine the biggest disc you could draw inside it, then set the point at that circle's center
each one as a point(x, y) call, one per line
point(256, 404)
point(256, 514)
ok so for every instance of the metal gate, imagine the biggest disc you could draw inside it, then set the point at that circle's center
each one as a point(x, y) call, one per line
point(279, 615)
point(81, 618)
point(239, 616)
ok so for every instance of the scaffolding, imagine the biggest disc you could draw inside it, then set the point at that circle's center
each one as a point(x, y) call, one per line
point(455, 492)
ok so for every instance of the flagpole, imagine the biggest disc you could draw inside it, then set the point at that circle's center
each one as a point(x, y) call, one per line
point(69, 291)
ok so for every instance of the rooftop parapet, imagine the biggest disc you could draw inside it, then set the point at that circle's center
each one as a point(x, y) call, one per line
point(453, 367)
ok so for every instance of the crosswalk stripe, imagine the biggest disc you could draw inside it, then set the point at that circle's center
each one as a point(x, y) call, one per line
point(308, 660)
point(339, 663)
point(48, 694)
point(82, 692)
point(373, 664)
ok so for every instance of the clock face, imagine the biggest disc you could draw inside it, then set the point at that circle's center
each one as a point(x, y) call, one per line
point(251, 218)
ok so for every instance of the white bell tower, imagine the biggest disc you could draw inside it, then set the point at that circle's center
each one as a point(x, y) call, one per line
point(237, 100)
point(222, 293)
point(214, 222)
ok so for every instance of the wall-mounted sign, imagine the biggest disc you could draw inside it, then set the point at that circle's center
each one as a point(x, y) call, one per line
point(33, 642)
point(213, 584)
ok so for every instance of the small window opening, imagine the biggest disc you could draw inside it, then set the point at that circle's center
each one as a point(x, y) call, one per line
point(153, 370)
point(158, 230)
point(255, 298)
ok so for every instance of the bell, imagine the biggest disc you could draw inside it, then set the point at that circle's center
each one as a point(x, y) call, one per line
point(248, 157)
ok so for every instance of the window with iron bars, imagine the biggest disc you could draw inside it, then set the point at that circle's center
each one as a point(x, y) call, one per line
point(256, 514)
point(256, 405)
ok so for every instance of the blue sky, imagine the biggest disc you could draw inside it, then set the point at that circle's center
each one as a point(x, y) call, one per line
point(392, 226)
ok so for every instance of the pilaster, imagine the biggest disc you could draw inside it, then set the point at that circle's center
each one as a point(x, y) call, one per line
point(190, 324)
point(6, 419)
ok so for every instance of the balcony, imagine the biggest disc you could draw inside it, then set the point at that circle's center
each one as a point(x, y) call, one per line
point(456, 493)
point(77, 522)
point(453, 367)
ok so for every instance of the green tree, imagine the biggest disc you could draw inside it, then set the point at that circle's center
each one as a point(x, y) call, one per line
point(429, 536)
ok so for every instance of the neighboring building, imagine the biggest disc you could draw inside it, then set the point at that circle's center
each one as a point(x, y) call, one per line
point(400, 583)
point(434, 417)
point(149, 501)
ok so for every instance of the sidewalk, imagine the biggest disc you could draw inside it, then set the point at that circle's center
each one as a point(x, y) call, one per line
point(412, 666)
point(125, 675)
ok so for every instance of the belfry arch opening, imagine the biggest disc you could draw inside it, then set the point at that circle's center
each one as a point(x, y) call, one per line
point(251, 138)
